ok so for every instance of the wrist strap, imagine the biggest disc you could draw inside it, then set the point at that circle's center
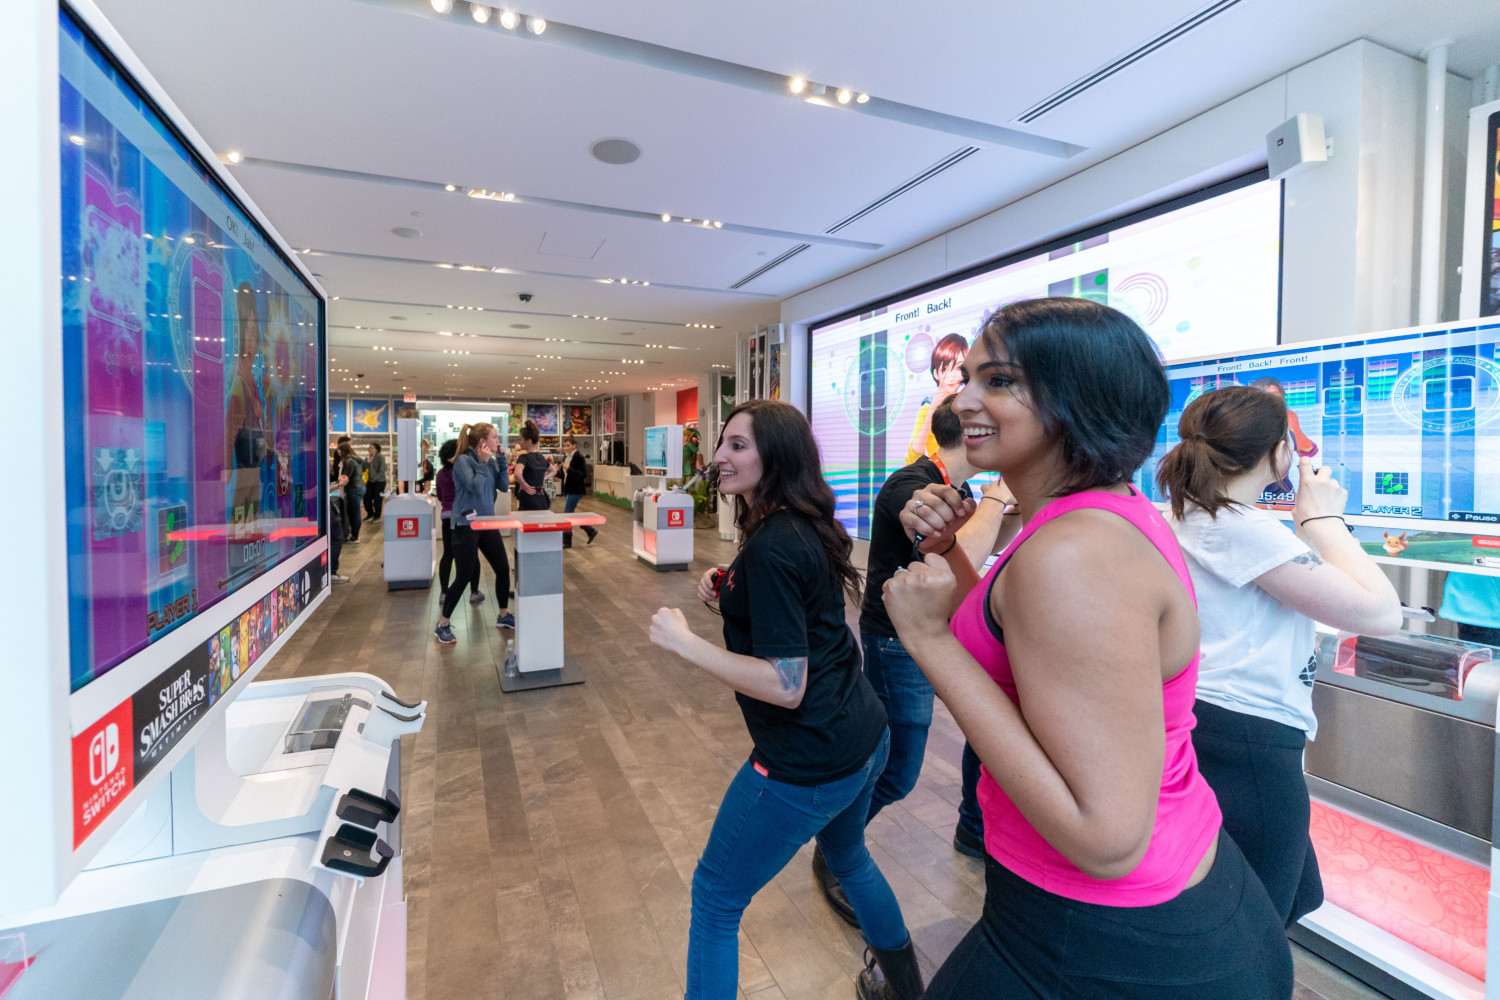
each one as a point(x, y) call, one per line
point(950, 547)
point(1322, 517)
point(986, 496)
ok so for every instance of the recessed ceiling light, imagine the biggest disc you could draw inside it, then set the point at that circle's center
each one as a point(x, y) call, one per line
point(442, 6)
point(234, 156)
point(480, 11)
point(615, 152)
point(536, 25)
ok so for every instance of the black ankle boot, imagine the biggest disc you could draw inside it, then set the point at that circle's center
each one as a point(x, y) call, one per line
point(832, 891)
point(898, 978)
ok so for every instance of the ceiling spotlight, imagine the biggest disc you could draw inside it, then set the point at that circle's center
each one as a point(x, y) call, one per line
point(844, 96)
point(234, 156)
point(509, 20)
point(536, 25)
point(665, 217)
point(797, 85)
point(480, 11)
point(442, 6)
point(718, 225)
point(862, 99)
point(449, 187)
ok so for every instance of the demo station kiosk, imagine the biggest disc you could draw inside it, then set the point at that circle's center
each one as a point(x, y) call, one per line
point(662, 528)
point(173, 828)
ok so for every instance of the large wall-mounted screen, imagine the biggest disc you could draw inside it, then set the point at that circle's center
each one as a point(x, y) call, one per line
point(192, 375)
point(1489, 289)
point(1200, 274)
point(1409, 422)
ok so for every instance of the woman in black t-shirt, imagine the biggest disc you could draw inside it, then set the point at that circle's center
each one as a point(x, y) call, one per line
point(531, 471)
point(819, 730)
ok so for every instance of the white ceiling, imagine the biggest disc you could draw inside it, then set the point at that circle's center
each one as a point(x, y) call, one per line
point(389, 89)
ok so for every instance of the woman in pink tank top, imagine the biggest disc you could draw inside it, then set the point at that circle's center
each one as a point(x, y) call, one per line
point(1071, 668)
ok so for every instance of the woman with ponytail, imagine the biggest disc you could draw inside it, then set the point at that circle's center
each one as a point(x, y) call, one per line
point(477, 476)
point(531, 471)
point(1260, 586)
point(819, 730)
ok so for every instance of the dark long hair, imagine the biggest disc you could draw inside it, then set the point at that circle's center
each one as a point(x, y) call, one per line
point(791, 478)
point(1225, 432)
point(1095, 380)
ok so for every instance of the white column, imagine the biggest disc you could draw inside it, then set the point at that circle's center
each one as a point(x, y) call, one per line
point(1429, 286)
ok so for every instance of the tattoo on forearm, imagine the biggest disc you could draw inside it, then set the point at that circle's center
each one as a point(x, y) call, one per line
point(790, 669)
point(1309, 559)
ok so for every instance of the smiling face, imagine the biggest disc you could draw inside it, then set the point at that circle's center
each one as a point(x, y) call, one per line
point(1002, 429)
point(950, 378)
point(738, 458)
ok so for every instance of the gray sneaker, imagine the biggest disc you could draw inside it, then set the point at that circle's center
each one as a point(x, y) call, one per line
point(339, 579)
point(445, 635)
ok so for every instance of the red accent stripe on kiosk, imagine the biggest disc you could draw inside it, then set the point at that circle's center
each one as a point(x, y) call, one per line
point(1428, 899)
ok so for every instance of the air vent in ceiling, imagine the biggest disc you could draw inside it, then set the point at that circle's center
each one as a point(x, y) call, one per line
point(776, 262)
point(1176, 31)
point(952, 159)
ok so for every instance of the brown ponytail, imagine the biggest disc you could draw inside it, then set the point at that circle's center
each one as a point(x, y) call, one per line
point(529, 432)
point(1225, 433)
point(471, 435)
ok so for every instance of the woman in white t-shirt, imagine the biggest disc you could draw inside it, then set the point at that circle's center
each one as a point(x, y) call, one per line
point(1260, 586)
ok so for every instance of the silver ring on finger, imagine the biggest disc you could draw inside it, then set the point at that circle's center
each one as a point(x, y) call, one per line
point(917, 503)
point(902, 569)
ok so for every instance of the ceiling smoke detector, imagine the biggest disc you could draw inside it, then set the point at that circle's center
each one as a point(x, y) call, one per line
point(616, 152)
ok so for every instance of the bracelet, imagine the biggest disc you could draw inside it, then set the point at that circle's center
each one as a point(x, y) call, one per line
point(986, 496)
point(1323, 517)
point(950, 547)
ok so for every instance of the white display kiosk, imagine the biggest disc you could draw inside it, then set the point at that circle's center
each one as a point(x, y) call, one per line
point(538, 659)
point(412, 530)
point(173, 828)
point(662, 529)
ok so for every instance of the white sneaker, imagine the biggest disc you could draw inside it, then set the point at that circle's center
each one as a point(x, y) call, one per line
point(339, 579)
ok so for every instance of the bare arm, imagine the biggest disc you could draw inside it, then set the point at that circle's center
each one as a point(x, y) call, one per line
point(1337, 583)
point(774, 680)
point(1081, 757)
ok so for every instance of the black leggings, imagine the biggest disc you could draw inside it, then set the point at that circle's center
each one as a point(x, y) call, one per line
point(467, 544)
point(1254, 766)
point(445, 564)
point(353, 516)
point(1220, 940)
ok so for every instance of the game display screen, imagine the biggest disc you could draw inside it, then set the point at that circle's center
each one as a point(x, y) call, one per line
point(1201, 278)
point(656, 447)
point(192, 383)
point(1489, 291)
point(1409, 422)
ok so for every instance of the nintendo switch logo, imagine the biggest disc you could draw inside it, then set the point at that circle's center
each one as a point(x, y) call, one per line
point(104, 753)
point(406, 527)
point(674, 518)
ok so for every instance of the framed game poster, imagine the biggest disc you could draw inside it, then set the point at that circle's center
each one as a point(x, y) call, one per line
point(514, 421)
point(544, 415)
point(371, 416)
point(338, 416)
point(773, 371)
point(607, 416)
point(580, 420)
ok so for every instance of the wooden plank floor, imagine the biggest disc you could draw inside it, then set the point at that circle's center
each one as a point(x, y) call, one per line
point(550, 836)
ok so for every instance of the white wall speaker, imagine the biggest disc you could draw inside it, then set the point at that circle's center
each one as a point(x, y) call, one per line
point(1295, 143)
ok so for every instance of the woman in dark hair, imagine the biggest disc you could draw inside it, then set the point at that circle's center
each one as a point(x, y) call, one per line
point(1260, 586)
point(531, 471)
point(946, 369)
point(1071, 669)
point(819, 730)
point(445, 493)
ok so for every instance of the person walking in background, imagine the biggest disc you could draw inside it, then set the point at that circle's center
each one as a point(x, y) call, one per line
point(895, 676)
point(444, 488)
point(477, 476)
point(574, 471)
point(819, 731)
point(335, 527)
point(352, 484)
point(531, 471)
point(1071, 667)
point(1260, 587)
point(375, 487)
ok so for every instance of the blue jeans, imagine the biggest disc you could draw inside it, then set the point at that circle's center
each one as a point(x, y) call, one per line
point(760, 826)
point(907, 696)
